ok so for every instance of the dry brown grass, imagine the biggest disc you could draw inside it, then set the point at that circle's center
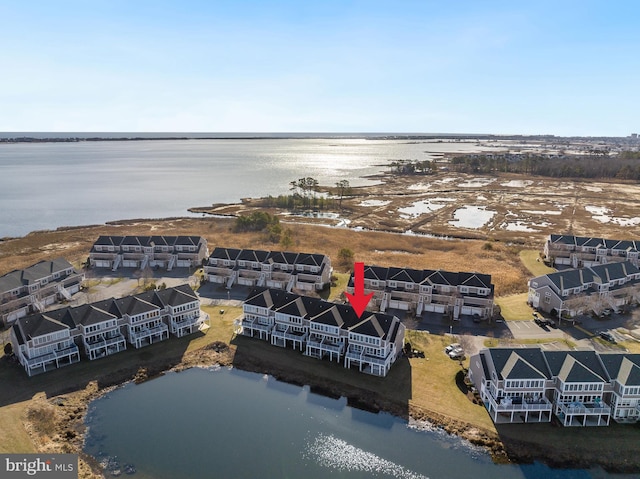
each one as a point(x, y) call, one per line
point(384, 249)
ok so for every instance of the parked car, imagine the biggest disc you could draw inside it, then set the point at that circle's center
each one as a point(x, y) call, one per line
point(607, 336)
point(457, 353)
point(451, 347)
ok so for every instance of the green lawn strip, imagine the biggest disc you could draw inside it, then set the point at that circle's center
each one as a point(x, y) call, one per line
point(433, 382)
point(506, 343)
point(531, 260)
point(514, 307)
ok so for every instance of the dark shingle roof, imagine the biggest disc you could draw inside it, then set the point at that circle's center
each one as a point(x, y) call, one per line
point(177, 296)
point(225, 253)
point(524, 363)
point(575, 366)
point(24, 277)
point(625, 368)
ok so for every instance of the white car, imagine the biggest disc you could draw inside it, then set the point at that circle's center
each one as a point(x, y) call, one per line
point(451, 347)
point(457, 353)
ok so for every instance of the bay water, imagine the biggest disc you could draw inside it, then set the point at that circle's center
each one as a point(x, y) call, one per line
point(47, 185)
point(227, 423)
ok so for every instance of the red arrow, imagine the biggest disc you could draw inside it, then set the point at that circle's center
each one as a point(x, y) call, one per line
point(358, 299)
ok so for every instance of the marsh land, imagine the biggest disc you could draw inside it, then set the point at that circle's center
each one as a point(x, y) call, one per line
point(494, 224)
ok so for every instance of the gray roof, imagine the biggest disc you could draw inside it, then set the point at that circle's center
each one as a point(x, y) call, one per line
point(315, 309)
point(625, 245)
point(24, 277)
point(625, 368)
point(435, 278)
point(41, 324)
point(523, 363)
point(576, 366)
point(602, 273)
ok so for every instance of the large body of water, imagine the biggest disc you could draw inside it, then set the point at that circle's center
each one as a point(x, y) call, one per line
point(199, 424)
point(47, 185)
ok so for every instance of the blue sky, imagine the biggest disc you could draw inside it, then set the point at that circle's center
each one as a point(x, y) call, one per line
point(539, 67)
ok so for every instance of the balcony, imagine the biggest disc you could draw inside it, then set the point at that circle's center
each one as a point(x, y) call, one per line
point(251, 324)
point(508, 405)
point(290, 335)
point(104, 343)
point(149, 332)
point(365, 358)
point(324, 344)
point(574, 408)
point(52, 356)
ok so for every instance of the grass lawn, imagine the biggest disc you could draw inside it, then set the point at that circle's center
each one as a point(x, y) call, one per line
point(496, 342)
point(334, 293)
point(631, 346)
point(14, 437)
point(433, 383)
point(514, 307)
point(529, 258)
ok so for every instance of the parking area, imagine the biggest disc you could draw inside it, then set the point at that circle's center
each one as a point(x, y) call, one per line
point(437, 323)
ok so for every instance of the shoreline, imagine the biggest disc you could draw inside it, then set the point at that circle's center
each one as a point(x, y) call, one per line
point(71, 409)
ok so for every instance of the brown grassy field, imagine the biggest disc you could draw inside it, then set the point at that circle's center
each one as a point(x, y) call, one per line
point(384, 249)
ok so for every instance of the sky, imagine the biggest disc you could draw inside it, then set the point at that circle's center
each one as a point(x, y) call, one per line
point(539, 67)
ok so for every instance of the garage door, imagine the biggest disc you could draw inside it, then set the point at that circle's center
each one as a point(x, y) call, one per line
point(436, 308)
point(184, 263)
point(467, 310)
point(101, 263)
point(129, 263)
point(399, 305)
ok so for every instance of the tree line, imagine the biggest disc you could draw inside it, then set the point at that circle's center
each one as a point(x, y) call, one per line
point(625, 166)
point(306, 195)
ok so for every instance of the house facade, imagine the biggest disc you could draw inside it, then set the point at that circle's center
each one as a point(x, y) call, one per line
point(272, 269)
point(595, 288)
point(52, 339)
point(138, 252)
point(582, 251)
point(428, 291)
point(580, 388)
point(34, 288)
point(322, 329)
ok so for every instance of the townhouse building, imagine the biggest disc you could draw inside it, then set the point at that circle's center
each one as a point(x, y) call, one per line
point(582, 290)
point(138, 252)
point(428, 291)
point(272, 269)
point(579, 388)
point(52, 339)
point(583, 251)
point(322, 329)
point(34, 288)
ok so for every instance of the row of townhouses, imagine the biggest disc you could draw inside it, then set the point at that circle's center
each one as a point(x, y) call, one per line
point(428, 290)
point(581, 388)
point(322, 329)
point(273, 269)
point(48, 340)
point(34, 288)
point(582, 290)
point(154, 251)
point(582, 251)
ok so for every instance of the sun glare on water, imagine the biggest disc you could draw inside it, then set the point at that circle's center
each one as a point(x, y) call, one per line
point(334, 453)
